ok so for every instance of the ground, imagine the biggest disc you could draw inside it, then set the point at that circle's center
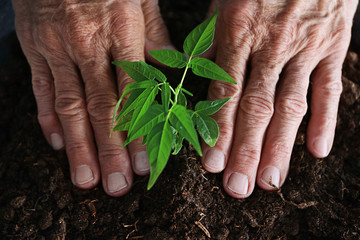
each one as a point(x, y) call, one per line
point(320, 199)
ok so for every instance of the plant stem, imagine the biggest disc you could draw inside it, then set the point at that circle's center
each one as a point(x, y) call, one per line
point(178, 89)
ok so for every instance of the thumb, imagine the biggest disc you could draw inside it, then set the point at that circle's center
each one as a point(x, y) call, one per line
point(156, 33)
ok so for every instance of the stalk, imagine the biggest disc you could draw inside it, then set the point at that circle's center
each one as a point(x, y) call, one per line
point(178, 89)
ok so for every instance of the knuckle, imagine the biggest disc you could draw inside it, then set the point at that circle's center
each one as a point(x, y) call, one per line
point(328, 122)
point(77, 148)
point(46, 38)
point(70, 105)
point(85, 61)
point(85, 46)
point(111, 154)
point(284, 34)
point(330, 87)
point(293, 105)
point(219, 89)
point(281, 151)
point(42, 86)
point(250, 155)
point(100, 107)
point(257, 106)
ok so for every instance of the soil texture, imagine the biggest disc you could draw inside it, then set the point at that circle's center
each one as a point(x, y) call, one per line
point(320, 199)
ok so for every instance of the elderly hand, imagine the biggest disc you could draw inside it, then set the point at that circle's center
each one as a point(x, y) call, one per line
point(272, 48)
point(70, 45)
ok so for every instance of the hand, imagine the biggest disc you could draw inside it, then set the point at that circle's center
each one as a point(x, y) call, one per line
point(272, 48)
point(70, 45)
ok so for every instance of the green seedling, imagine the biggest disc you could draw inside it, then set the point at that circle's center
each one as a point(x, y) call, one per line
point(165, 126)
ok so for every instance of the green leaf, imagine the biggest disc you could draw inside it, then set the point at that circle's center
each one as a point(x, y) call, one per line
point(133, 101)
point(177, 141)
point(141, 71)
point(182, 122)
point(200, 39)
point(154, 72)
point(114, 114)
point(128, 89)
point(182, 99)
point(174, 133)
point(138, 85)
point(178, 144)
point(124, 123)
point(143, 105)
point(171, 58)
point(165, 96)
point(207, 128)
point(136, 70)
point(145, 138)
point(190, 112)
point(208, 69)
point(210, 107)
point(153, 116)
point(158, 149)
point(187, 92)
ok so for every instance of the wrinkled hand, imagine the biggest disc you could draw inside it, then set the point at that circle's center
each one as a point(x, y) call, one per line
point(271, 48)
point(70, 45)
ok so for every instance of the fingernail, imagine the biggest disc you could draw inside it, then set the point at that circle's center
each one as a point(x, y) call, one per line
point(141, 162)
point(271, 177)
point(215, 160)
point(116, 181)
point(83, 174)
point(238, 183)
point(56, 141)
point(321, 146)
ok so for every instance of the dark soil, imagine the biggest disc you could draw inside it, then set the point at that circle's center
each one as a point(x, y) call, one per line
point(320, 199)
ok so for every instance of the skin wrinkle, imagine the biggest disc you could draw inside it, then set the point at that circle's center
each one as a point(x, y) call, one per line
point(271, 38)
point(75, 41)
point(281, 150)
point(100, 107)
point(289, 39)
point(292, 106)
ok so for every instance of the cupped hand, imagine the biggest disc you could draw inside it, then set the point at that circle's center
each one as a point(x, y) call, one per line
point(69, 45)
point(272, 49)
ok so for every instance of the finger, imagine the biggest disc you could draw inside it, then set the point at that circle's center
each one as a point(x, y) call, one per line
point(156, 33)
point(70, 107)
point(43, 87)
point(269, 55)
point(254, 114)
point(101, 98)
point(232, 54)
point(255, 111)
point(290, 107)
point(134, 45)
point(326, 91)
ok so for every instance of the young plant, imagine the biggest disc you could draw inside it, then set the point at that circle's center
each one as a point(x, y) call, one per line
point(164, 126)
